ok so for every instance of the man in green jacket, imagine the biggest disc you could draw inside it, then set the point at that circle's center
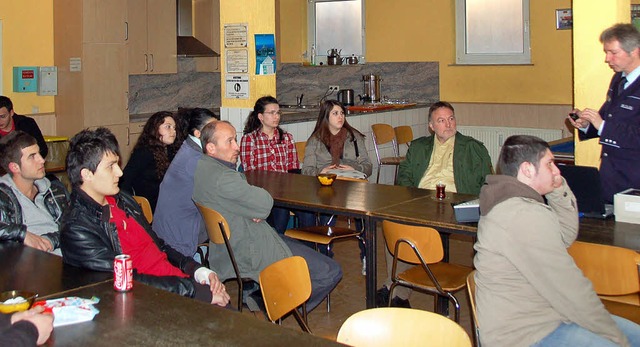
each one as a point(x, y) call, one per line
point(460, 162)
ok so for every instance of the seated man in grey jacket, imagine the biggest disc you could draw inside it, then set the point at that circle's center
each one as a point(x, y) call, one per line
point(529, 290)
point(219, 186)
point(30, 205)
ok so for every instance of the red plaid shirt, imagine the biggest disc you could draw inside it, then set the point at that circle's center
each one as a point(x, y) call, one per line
point(258, 152)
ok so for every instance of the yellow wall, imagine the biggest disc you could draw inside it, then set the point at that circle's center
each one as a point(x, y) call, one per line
point(260, 15)
point(424, 30)
point(27, 40)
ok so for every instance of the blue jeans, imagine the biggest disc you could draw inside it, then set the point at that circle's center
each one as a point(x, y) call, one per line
point(279, 219)
point(575, 335)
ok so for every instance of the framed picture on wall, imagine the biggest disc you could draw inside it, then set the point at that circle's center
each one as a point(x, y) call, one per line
point(564, 19)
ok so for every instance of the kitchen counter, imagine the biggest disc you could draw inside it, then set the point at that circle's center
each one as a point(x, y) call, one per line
point(297, 116)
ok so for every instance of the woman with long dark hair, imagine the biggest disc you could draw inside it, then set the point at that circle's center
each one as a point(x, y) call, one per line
point(336, 145)
point(265, 146)
point(150, 157)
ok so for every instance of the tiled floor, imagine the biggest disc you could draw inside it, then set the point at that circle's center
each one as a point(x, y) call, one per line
point(349, 296)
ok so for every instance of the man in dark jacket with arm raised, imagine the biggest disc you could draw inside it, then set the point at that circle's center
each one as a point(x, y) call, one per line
point(103, 222)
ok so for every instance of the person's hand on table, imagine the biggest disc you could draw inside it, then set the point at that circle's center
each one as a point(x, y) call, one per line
point(37, 242)
point(42, 321)
point(327, 168)
point(344, 167)
point(219, 295)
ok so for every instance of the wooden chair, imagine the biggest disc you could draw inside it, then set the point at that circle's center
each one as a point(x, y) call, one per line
point(324, 234)
point(394, 326)
point(404, 135)
point(300, 148)
point(145, 206)
point(286, 285)
point(612, 270)
point(382, 134)
point(471, 292)
point(423, 246)
point(219, 233)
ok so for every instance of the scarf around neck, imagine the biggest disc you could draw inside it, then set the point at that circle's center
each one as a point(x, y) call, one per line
point(336, 146)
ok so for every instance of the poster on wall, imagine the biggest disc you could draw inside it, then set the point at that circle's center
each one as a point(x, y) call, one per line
point(237, 86)
point(235, 35)
point(265, 54)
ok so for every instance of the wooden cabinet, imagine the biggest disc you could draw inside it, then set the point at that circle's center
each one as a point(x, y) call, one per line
point(206, 28)
point(151, 40)
point(90, 53)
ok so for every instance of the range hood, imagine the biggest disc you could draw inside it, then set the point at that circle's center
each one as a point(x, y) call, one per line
point(189, 46)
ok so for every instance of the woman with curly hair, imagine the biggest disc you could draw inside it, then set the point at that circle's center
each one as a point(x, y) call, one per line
point(265, 146)
point(151, 157)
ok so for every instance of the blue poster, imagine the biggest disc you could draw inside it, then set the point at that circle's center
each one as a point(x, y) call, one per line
point(265, 54)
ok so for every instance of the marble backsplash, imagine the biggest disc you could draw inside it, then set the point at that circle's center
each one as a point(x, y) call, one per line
point(412, 81)
point(187, 88)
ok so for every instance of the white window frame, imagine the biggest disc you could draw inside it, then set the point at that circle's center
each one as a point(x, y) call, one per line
point(464, 58)
point(311, 29)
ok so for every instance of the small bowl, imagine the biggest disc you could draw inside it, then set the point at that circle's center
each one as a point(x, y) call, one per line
point(326, 179)
point(29, 298)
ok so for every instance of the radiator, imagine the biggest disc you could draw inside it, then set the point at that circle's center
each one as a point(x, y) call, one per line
point(493, 137)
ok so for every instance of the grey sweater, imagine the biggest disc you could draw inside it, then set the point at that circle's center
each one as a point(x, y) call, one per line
point(527, 284)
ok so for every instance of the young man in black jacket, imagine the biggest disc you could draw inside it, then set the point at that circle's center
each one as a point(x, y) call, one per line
point(10, 121)
point(103, 222)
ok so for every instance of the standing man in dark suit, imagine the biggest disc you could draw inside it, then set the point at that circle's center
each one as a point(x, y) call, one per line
point(10, 121)
point(617, 123)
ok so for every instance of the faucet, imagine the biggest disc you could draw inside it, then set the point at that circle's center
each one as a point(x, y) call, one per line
point(299, 100)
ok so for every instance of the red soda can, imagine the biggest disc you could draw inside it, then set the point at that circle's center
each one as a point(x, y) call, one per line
point(122, 273)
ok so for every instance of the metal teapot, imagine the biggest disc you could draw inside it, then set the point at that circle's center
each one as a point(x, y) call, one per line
point(333, 56)
point(352, 60)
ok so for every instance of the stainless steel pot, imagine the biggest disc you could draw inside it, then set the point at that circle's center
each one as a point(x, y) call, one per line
point(334, 60)
point(346, 97)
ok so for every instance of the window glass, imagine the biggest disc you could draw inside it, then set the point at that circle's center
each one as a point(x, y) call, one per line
point(336, 24)
point(492, 32)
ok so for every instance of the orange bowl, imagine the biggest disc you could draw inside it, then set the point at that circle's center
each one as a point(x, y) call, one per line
point(326, 179)
point(22, 305)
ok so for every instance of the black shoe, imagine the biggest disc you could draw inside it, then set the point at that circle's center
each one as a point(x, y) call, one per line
point(382, 297)
point(397, 302)
point(255, 303)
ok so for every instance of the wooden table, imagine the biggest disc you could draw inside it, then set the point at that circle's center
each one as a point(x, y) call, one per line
point(376, 202)
point(147, 316)
point(26, 268)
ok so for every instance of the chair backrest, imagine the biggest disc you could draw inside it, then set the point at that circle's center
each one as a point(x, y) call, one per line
point(145, 206)
point(383, 133)
point(393, 326)
point(285, 285)
point(215, 223)
point(426, 240)
point(471, 291)
point(612, 270)
point(404, 134)
point(301, 146)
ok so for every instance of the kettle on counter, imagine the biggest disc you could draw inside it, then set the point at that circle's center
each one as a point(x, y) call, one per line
point(346, 97)
point(352, 60)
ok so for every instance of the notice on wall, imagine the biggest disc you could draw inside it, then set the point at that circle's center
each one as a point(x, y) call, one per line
point(237, 86)
point(237, 60)
point(75, 64)
point(265, 54)
point(235, 35)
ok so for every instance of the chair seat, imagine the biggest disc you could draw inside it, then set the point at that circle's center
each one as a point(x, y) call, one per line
point(391, 160)
point(321, 234)
point(631, 299)
point(452, 277)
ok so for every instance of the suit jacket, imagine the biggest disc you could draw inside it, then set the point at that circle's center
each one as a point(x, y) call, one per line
point(620, 138)
point(255, 245)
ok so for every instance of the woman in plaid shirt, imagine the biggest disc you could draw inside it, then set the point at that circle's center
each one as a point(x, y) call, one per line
point(265, 146)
